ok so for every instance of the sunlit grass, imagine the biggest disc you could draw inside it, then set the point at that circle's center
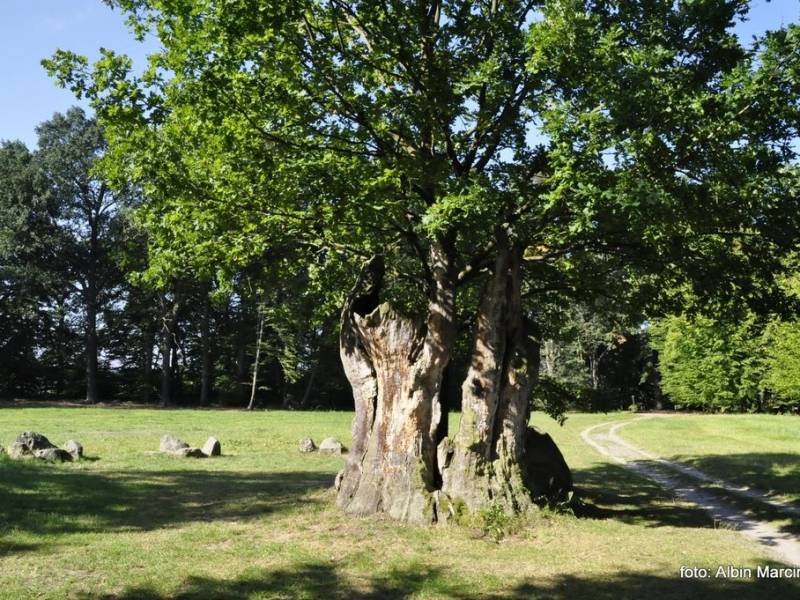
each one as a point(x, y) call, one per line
point(260, 522)
point(747, 450)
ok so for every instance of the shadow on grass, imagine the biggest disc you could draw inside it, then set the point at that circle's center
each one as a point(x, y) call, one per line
point(320, 580)
point(46, 500)
point(768, 472)
point(609, 491)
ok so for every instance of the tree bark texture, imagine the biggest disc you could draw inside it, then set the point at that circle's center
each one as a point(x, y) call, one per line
point(495, 458)
point(400, 462)
point(395, 365)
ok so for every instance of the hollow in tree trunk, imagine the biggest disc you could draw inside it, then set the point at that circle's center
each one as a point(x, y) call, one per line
point(395, 366)
point(399, 462)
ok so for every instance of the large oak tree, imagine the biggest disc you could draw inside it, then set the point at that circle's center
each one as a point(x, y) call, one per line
point(478, 158)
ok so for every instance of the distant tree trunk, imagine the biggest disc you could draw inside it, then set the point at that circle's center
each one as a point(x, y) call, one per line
point(205, 341)
point(166, 367)
point(168, 322)
point(147, 363)
point(61, 363)
point(309, 385)
point(242, 336)
point(395, 366)
point(176, 389)
point(91, 342)
point(255, 362)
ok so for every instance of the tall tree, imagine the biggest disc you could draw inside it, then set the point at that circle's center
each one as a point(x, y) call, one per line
point(28, 243)
point(69, 147)
point(474, 156)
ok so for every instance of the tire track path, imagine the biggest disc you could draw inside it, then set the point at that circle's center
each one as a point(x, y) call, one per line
point(783, 545)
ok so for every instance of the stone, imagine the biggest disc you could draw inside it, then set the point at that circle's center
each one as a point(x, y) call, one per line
point(33, 441)
point(171, 444)
point(28, 443)
point(212, 447)
point(53, 455)
point(547, 472)
point(189, 453)
point(307, 445)
point(17, 451)
point(330, 446)
point(74, 448)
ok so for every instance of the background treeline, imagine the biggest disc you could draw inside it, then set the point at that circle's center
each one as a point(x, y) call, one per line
point(78, 319)
point(748, 365)
point(84, 315)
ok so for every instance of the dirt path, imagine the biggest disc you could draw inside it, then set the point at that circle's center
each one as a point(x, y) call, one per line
point(784, 546)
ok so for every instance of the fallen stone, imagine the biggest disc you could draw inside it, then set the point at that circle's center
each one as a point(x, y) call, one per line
point(212, 447)
point(18, 451)
point(188, 453)
point(171, 444)
point(33, 441)
point(74, 448)
point(547, 471)
point(53, 455)
point(307, 445)
point(330, 446)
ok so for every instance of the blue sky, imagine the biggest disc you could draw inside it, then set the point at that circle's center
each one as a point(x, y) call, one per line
point(32, 29)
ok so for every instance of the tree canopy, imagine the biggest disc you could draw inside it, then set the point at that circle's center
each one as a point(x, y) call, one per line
point(489, 159)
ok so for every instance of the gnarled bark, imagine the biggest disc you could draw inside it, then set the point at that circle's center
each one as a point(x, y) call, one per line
point(491, 460)
point(395, 366)
point(398, 463)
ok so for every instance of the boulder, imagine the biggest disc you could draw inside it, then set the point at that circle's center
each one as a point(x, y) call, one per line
point(212, 447)
point(53, 455)
point(545, 468)
point(74, 448)
point(189, 453)
point(171, 444)
point(307, 445)
point(32, 441)
point(330, 446)
point(17, 451)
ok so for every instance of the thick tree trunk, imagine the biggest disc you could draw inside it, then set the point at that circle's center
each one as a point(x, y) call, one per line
point(495, 459)
point(395, 366)
point(400, 462)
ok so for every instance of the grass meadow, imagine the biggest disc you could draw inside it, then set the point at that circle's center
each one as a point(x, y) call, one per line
point(260, 521)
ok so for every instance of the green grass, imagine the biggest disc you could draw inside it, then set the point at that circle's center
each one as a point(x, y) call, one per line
point(260, 522)
point(752, 450)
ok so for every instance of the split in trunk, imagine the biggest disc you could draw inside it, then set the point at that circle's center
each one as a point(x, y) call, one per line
point(496, 459)
point(395, 366)
point(400, 462)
